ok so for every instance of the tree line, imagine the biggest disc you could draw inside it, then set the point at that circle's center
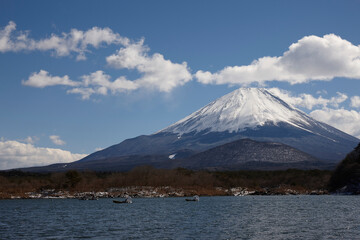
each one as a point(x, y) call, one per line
point(17, 182)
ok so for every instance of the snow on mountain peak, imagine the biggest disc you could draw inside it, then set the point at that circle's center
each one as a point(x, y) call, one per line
point(241, 109)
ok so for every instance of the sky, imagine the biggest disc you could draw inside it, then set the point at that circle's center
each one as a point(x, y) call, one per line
point(80, 76)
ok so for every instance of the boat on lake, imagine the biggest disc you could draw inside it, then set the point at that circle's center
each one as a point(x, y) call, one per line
point(127, 200)
point(194, 199)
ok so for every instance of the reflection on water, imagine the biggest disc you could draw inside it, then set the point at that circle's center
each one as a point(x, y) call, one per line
point(250, 217)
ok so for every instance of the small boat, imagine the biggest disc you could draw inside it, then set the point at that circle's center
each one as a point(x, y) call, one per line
point(115, 201)
point(127, 200)
point(194, 199)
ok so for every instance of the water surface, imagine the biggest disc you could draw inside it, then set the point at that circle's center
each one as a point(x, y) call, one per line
point(249, 217)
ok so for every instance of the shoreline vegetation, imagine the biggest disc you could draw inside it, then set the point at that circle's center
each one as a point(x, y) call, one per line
point(146, 181)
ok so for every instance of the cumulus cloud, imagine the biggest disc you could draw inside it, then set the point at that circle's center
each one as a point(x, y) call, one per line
point(14, 154)
point(355, 102)
point(98, 82)
point(311, 58)
point(56, 140)
point(345, 120)
point(75, 41)
point(94, 83)
point(44, 79)
point(307, 100)
point(340, 98)
point(157, 72)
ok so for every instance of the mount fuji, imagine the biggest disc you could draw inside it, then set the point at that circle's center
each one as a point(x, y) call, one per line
point(246, 113)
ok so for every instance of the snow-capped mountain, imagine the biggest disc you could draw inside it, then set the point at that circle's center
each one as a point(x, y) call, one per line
point(244, 108)
point(244, 113)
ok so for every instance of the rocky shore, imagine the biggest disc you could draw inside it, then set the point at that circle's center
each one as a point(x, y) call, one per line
point(154, 192)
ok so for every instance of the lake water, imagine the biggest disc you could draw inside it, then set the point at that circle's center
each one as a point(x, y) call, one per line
point(249, 217)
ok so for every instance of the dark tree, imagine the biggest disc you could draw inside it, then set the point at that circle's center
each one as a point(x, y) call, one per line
point(73, 178)
point(346, 177)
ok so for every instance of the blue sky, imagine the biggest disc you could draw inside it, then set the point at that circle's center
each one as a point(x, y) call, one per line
point(77, 76)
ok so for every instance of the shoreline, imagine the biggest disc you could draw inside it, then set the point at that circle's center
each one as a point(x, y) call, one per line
point(159, 192)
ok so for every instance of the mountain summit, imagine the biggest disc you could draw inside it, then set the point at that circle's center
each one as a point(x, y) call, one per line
point(244, 108)
point(251, 113)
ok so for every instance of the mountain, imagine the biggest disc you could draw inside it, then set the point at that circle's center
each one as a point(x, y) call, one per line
point(252, 113)
point(238, 155)
point(249, 154)
point(245, 108)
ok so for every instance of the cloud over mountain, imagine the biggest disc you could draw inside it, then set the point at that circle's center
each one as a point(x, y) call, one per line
point(345, 120)
point(308, 101)
point(328, 109)
point(311, 58)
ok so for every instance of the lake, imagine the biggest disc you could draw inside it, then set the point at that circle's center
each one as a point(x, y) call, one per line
point(248, 217)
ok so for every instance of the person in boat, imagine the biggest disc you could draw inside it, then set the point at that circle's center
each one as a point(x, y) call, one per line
point(195, 199)
point(128, 199)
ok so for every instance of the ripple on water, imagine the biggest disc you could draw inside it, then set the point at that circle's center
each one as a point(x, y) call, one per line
point(251, 217)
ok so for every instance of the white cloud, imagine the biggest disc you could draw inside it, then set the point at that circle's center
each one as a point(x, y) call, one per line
point(30, 140)
point(340, 98)
point(99, 83)
point(44, 79)
point(84, 92)
point(95, 83)
point(15, 154)
point(307, 100)
point(157, 72)
point(355, 102)
point(311, 58)
point(56, 140)
point(345, 120)
point(75, 41)
point(5, 42)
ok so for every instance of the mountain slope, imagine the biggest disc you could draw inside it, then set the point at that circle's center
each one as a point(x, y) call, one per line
point(249, 154)
point(244, 113)
point(238, 155)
